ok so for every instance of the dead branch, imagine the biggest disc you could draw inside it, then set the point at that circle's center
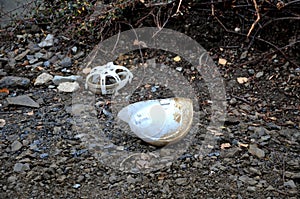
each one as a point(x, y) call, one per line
point(257, 19)
point(279, 49)
point(178, 9)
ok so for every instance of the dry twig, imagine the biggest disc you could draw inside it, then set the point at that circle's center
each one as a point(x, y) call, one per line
point(257, 19)
point(262, 40)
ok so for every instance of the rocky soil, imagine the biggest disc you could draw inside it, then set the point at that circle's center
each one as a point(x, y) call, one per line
point(255, 153)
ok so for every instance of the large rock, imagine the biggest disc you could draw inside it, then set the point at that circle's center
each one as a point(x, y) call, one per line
point(43, 79)
point(13, 81)
point(22, 100)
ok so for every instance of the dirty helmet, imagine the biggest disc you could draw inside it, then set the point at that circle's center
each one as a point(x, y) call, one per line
point(108, 79)
point(159, 122)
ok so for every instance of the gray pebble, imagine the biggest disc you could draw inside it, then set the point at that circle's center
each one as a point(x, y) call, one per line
point(181, 181)
point(259, 74)
point(251, 189)
point(20, 167)
point(254, 150)
point(66, 62)
point(16, 145)
point(290, 184)
point(251, 72)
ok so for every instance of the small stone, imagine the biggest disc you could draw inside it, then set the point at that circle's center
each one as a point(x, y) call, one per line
point(61, 178)
point(44, 155)
point(15, 146)
point(112, 179)
point(222, 61)
point(259, 74)
point(251, 189)
point(264, 138)
point(237, 29)
point(13, 81)
point(181, 181)
point(179, 69)
point(242, 80)
point(60, 79)
point(254, 150)
point(12, 179)
point(251, 72)
point(76, 186)
point(80, 178)
point(255, 171)
point(22, 100)
point(247, 180)
point(46, 63)
point(49, 41)
point(273, 126)
point(68, 87)
point(20, 167)
point(233, 101)
point(74, 49)
point(2, 123)
point(36, 65)
point(270, 188)
point(290, 184)
point(292, 175)
point(66, 62)
point(22, 55)
point(244, 55)
point(43, 79)
point(38, 55)
point(78, 55)
point(131, 180)
point(32, 61)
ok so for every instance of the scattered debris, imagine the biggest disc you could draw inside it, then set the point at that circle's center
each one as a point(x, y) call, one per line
point(108, 79)
point(159, 122)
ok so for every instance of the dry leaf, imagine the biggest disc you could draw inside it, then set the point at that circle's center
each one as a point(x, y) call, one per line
point(177, 58)
point(242, 80)
point(4, 90)
point(225, 145)
point(222, 61)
